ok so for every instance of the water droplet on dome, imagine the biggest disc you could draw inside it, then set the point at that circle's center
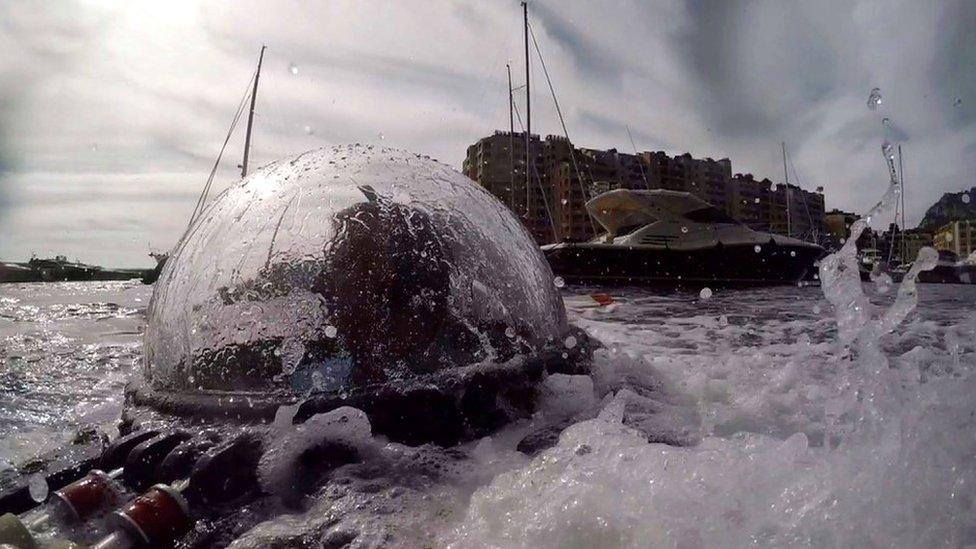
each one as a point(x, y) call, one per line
point(381, 136)
point(927, 258)
point(886, 122)
point(559, 282)
point(965, 198)
point(309, 130)
point(883, 283)
point(510, 332)
point(792, 253)
point(705, 294)
point(37, 487)
point(874, 98)
point(570, 342)
point(292, 353)
point(684, 229)
point(293, 69)
point(331, 331)
point(318, 380)
point(957, 102)
point(756, 201)
point(757, 248)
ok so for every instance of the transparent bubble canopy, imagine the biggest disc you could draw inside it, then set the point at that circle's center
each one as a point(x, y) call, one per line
point(347, 267)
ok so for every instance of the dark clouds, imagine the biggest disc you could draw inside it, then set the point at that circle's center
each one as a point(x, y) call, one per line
point(954, 64)
point(588, 54)
point(111, 114)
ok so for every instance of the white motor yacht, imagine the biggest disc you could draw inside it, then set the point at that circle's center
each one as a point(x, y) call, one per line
point(661, 237)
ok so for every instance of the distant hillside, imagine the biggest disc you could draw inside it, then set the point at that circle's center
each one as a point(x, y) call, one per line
point(950, 207)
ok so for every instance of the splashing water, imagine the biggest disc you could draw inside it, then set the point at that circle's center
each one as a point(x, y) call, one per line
point(841, 279)
point(888, 151)
point(874, 99)
point(291, 352)
point(885, 472)
point(37, 487)
point(861, 324)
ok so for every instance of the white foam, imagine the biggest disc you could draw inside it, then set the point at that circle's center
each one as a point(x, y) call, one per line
point(347, 426)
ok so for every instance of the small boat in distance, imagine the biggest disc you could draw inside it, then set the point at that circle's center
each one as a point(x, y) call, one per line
point(671, 238)
point(60, 269)
point(949, 270)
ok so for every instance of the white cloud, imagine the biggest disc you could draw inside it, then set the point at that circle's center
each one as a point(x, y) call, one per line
point(112, 113)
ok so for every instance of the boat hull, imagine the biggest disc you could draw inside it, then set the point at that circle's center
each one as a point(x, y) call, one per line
point(949, 274)
point(17, 272)
point(940, 274)
point(724, 265)
point(12, 272)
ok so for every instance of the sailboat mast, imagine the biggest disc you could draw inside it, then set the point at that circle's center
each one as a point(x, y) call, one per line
point(250, 115)
point(786, 175)
point(901, 174)
point(511, 140)
point(528, 108)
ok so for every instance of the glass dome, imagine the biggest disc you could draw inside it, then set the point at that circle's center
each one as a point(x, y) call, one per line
point(342, 268)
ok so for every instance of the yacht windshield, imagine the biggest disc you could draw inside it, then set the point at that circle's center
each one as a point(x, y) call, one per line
point(709, 215)
point(626, 230)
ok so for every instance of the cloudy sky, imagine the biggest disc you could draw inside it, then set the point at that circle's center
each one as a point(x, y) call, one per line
point(111, 113)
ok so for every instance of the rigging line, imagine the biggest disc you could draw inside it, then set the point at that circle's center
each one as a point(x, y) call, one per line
point(891, 239)
point(487, 82)
point(639, 163)
point(206, 189)
point(518, 115)
point(572, 154)
point(901, 177)
point(796, 177)
point(201, 200)
point(545, 201)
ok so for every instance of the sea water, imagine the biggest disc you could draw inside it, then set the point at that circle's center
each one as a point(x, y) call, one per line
point(787, 445)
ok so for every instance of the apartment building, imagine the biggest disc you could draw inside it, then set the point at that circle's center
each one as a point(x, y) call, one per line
point(564, 177)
